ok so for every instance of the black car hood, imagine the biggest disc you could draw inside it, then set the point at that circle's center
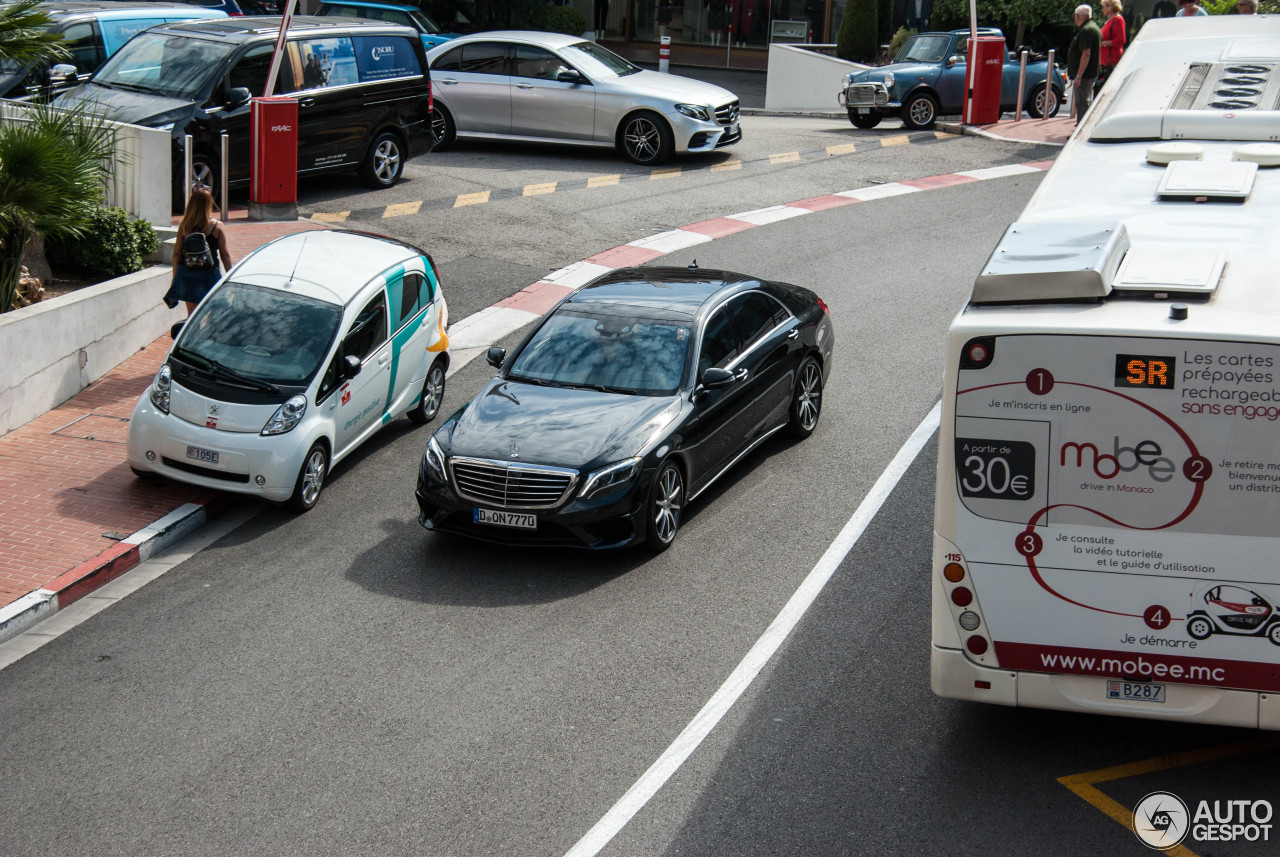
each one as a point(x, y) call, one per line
point(564, 427)
point(122, 105)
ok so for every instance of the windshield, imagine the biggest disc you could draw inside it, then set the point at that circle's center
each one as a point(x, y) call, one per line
point(923, 49)
point(581, 346)
point(176, 66)
point(594, 61)
point(264, 334)
point(425, 24)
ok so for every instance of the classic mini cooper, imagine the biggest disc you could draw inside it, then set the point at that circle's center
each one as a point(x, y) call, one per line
point(300, 354)
point(623, 404)
point(927, 79)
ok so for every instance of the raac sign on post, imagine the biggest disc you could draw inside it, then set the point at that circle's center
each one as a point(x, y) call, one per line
point(273, 167)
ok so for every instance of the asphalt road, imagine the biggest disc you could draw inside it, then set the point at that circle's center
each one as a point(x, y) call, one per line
point(343, 682)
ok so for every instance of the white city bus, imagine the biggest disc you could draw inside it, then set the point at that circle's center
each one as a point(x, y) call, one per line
point(1107, 522)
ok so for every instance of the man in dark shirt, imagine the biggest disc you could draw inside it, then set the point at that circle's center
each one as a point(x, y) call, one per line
point(1082, 59)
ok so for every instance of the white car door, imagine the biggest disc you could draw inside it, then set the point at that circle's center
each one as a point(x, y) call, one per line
point(362, 400)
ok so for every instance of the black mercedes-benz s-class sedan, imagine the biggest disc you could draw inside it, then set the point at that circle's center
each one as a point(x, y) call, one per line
point(623, 404)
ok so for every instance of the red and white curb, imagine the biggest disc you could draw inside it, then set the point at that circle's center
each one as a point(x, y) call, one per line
point(468, 338)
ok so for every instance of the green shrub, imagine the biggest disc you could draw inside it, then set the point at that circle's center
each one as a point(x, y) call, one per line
point(559, 19)
point(112, 245)
point(858, 30)
point(898, 40)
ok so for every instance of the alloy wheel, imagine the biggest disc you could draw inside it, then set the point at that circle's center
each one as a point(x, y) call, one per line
point(642, 138)
point(666, 504)
point(433, 392)
point(809, 398)
point(386, 161)
point(313, 477)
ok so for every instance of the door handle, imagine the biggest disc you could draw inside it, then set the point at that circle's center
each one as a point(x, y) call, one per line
point(449, 81)
point(384, 360)
point(307, 102)
point(795, 331)
point(742, 374)
point(524, 86)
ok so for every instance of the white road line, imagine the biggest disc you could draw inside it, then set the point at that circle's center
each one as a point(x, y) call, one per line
point(740, 679)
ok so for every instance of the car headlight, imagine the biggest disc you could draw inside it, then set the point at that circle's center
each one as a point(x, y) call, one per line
point(610, 478)
point(434, 459)
point(695, 111)
point(888, 80)
point(848, 80)
point(286, 416)
point(160, 388)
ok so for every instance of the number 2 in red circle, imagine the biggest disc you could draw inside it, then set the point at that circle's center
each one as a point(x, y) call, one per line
point(1028, 543)
point(1039, 381)
point(1197, 468)
point(1156, 617)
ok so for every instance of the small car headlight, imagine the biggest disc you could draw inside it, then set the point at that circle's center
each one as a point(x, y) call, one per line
point(848, 79)
point(695, 111)
point(610, 478)
point(434, 458)
point(888, 80)
point(286, 416)
point(160, 388)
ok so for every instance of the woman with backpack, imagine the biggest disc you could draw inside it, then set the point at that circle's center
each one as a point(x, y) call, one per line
point(201, 243)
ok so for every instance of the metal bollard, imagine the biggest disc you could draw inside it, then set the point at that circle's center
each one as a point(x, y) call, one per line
point(1022, 85)
point(664, 55)
point(224, 198)
point(1048, 88)
point(187, 169)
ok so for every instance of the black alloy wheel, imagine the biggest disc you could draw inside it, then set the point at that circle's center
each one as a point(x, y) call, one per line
point(866, 120)
point(920, 111)
point(443, 128)
point(310, 482)
point(646, 139)
point(384, 163)
point(204, 173)
point(432, 395)
point(666, 500)
point(806, 401)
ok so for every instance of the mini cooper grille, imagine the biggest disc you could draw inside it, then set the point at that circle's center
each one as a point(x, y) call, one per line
point(866, 95)
point(728, 114)
point(512, 485)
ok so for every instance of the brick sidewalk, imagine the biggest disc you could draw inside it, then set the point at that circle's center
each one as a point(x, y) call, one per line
point(66, 492)
point(1054, 131)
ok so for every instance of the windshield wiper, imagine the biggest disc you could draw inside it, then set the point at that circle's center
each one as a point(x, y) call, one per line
point(604, 388)
point(541, 382)
point(133, 87)
point(256, 383)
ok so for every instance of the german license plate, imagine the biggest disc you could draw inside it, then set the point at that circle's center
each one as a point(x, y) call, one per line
point(1142, 691)
point(198, 454)
point(519, 520)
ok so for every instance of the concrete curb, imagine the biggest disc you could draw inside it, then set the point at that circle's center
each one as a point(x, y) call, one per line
point(970, 131)
point(73, 585)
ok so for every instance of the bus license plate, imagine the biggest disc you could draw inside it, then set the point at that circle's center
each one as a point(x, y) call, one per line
point(199, 454)
point(519, 520)
point(1142, 691)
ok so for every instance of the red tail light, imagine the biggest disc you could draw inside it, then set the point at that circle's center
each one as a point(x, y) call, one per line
point(822, 305)
point(431, 96)
point(977, 645)
point(961, 597)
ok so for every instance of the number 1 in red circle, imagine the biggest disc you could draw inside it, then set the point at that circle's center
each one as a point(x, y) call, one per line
point(1039, 381)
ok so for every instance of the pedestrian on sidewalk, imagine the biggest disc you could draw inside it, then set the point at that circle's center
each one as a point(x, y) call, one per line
point(1190, 9)
point(1083, 59)
point(191, 284)
point(1113, 41)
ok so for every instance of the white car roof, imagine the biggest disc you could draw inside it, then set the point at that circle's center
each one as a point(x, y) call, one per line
point(328, 265)
point(533, 37)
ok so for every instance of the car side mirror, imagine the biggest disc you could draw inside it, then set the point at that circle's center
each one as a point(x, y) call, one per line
point(238, 95)
point(496, 355)
point(350, 366)
point(715, 378)
point(570, 75)
point(951, 61)
point(63, 73)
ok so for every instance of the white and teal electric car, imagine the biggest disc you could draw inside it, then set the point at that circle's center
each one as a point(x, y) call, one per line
point(303, 351)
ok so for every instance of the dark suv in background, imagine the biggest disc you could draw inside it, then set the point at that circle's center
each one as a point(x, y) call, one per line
point(363, 90)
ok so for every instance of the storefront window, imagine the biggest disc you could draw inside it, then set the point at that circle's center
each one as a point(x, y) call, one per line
point(740, 23)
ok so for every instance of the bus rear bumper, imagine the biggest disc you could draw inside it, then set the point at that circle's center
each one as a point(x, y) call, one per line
point(954, 676)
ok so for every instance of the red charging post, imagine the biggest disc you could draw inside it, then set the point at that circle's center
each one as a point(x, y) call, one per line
point(986, 67)
point(273, 178)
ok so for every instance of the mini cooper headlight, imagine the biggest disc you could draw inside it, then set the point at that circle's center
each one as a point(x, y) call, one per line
point(160, 388)
point(695, 111)
point(434, 458)
point(848, 79)
point(888, 80)
point(610, 478)
point(286, 416)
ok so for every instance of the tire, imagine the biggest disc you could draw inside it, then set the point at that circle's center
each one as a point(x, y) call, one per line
point(204, 172)
point(310, 481)
point(806, 400)
point(443, 128)
point(920, 111)
point(662, 512)
point(865, 121)
point(1273, 633)
point(1034, 102)
point(384, 162)
point(1199, 628)
point(149, 476)
point(432, 395)
point(646, 138)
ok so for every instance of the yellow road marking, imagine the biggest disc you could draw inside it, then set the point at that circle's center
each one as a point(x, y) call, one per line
point(784, 157)
point(331, 217)
point(402, 208)
point(604, 181)
point(895, 141)
point(726, 166)
point(1084, 785)
point(540, 189)
point(846, 149)
point(471, 199)
point(942, 135)
point(667, 173)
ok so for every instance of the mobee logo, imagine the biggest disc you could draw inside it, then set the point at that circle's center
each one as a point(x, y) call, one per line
point(1161, 820)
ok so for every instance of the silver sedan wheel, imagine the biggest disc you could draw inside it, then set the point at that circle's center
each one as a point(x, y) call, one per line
point(667, 501)
point(642, 139)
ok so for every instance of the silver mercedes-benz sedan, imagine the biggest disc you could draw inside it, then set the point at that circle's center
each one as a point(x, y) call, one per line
point(547, 87)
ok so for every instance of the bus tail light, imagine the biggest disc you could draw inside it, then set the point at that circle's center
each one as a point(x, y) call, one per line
point(977, 645)
point(954, 572)
point(961, 597)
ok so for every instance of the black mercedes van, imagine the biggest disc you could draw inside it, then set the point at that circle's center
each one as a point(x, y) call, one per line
point(363, 90)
